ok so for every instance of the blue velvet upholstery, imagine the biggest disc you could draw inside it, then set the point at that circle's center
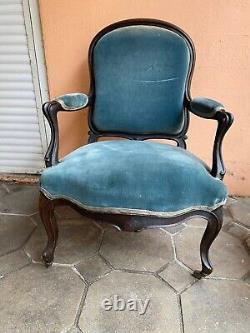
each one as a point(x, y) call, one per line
point(134, 177)
point(140, 79)
point(74, 101)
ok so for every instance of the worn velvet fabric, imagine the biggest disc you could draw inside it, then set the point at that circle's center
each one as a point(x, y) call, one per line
point(134, 177)
point(74, 101)
point(140, 77)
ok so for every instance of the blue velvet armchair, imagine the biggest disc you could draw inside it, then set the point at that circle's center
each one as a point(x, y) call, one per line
point(140, 72)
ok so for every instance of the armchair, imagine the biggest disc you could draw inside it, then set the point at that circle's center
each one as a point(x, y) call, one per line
point(140, 73)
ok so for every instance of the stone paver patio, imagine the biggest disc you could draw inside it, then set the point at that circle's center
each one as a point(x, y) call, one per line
point(94, 262)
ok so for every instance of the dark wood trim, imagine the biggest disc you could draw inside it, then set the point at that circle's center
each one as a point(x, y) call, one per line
point(214, 224)
point(46, 210)
point(50, 110)
point(136, 222)
point(180, 137)
point(131, 223)
point(225, 120)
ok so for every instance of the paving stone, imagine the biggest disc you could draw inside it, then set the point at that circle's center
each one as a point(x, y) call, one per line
point(93, 268)
point(196, 222)
point(36, 219)
point(244, 200)
point(37, 299)
point(248, 243)
point(105, 226)
point(78, 239)
point(74, 330)
point(217, 306)
point(162, 314)
point(66, 212)
point(247, 278)
point(227, 217)
point(178, 277)
point(230, 201)
point(200, 222)
point(12, 262)
point(241, 211)
point(147, 250)
point(14, 231)
point(228, 255)
point(20, 199)
point(237, 230)
point(3, 192)
point(174, 228)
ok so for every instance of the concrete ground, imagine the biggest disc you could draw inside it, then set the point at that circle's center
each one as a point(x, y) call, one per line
point(96, 263)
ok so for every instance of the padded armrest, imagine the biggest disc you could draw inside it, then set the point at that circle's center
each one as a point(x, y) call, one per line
point(68, 102)
point(209, 109)
point(73, 102)
point(205, 107)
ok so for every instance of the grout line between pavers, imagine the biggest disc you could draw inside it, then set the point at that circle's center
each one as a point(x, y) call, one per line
point(78, 329)
point(101, 241)
point(5, 187)
point(173, 246)
point(27, 254)
point(98, 225)
point(75, 270)
point(34, 221)
point(188, 286)
point(195, 227)
point(246, 276)
point(18, 214)
point(172, 233)
point(39, 263)
point(181, 313)
point(20, 268)
point(241, 224)
point(58, 264)
point(244, 242)
point(21, 247)
point(97, 278)
point(238, 224)
point(16, 270)
point(162, 268)
point(187, 268)
point(208, 277)
point(85, 258)
point(131, 271)
point(106, 261)
point(221, 278)
point(176, 258)
point(235, 220)
point(166, 282)
point(81, 305)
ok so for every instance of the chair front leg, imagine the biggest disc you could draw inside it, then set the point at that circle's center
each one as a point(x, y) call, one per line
point(214, 224)
point(46, 209)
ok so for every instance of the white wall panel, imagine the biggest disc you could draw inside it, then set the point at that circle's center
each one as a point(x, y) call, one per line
point(21, 126)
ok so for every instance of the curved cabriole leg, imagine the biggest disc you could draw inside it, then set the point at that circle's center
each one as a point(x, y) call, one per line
point(214, 224)
point(46, 209)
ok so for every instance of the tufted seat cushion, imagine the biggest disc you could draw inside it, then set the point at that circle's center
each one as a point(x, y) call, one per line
point(134, 177)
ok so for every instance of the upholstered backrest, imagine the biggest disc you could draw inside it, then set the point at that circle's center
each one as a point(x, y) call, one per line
point(140, 74)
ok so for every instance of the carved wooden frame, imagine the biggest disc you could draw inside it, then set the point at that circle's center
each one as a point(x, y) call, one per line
point(137, 222)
